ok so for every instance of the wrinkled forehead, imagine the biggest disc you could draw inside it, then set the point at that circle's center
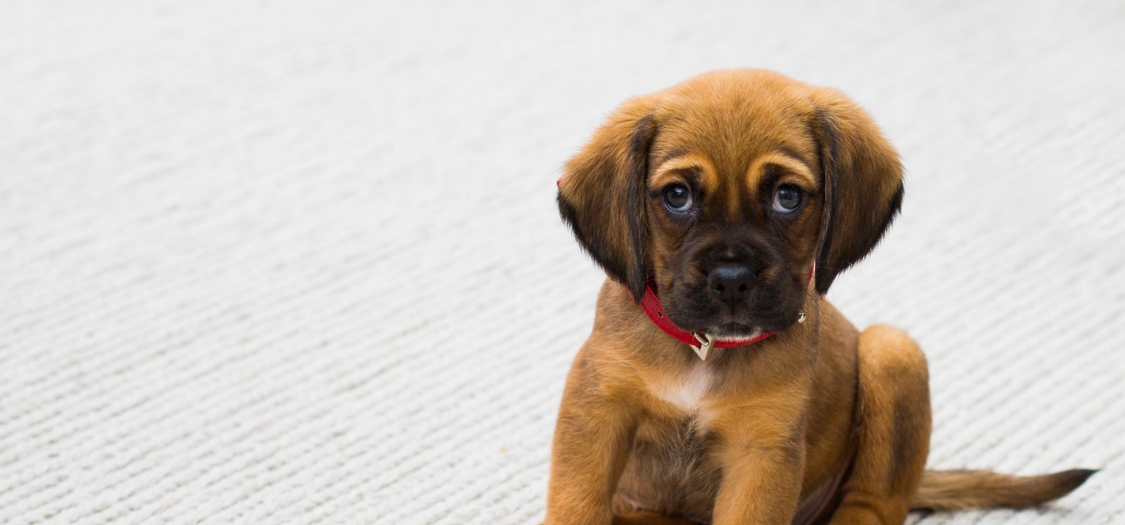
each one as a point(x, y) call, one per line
point(732, 142)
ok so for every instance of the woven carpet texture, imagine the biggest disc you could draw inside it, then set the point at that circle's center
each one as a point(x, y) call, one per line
point(299, 263)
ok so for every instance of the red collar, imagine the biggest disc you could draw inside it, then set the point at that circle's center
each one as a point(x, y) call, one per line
point(701, 343)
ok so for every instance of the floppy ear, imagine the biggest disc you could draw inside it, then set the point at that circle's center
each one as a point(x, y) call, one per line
point(602, 194)
point(862, 186)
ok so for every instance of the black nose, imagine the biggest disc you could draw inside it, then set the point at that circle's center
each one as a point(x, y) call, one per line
point(731, 283)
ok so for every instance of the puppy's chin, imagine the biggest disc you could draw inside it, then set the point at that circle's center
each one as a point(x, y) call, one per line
point(727, 326)
point(734, 332)
point(772, 307)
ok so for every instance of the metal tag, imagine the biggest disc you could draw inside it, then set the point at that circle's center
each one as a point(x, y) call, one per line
point(705, 344)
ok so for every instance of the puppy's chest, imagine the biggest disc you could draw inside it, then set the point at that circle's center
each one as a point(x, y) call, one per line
point(678, 433)
point(688, 395)
point(670, 469)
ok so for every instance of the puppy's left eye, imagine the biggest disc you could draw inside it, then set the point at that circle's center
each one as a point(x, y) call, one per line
point(787, 198)
point(677, 197)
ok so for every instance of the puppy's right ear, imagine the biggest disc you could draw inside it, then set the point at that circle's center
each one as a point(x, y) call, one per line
point(602, 194)
point(862, 184)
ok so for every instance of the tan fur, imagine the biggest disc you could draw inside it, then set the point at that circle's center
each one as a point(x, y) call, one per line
point(648, 433)
point(982, 489)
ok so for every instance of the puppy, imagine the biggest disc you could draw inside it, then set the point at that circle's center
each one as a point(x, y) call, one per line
point(718, 386)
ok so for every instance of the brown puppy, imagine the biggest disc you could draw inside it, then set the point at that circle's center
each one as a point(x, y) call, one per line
point(724, 194)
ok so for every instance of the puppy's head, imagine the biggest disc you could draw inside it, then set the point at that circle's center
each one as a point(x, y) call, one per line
point(725, 190)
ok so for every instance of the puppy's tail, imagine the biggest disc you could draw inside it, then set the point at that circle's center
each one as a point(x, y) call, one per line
point(982, 489)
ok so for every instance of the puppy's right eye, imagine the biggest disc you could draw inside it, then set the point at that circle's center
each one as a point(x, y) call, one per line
point(677, 197)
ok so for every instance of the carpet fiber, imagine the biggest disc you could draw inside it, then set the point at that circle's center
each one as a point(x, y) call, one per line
point(263, 263)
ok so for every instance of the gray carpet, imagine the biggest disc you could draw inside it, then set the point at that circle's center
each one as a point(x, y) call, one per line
point(265, 263)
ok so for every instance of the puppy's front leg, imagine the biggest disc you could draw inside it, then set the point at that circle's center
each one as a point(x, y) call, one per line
point(592, 440)
point(763, 457)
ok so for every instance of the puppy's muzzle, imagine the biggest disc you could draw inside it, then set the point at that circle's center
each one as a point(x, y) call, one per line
point(731, 283)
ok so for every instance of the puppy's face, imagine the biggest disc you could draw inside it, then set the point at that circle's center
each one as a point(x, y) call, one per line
point(725, 190)
point(733, 209)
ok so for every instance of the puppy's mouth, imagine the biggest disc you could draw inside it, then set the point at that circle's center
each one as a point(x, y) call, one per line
point(693, 308)
point(734, 332)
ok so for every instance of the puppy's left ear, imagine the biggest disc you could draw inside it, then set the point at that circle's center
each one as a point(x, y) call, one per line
point(862, 186)
point(602, 194)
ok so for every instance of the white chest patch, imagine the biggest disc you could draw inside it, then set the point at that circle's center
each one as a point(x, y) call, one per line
point(689, 392)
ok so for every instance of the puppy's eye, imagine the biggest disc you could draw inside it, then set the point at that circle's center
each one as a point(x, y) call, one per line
point(787, 198)
point(677, 197)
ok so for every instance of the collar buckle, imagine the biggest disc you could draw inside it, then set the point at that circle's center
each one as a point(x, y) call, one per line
point(706, 343)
